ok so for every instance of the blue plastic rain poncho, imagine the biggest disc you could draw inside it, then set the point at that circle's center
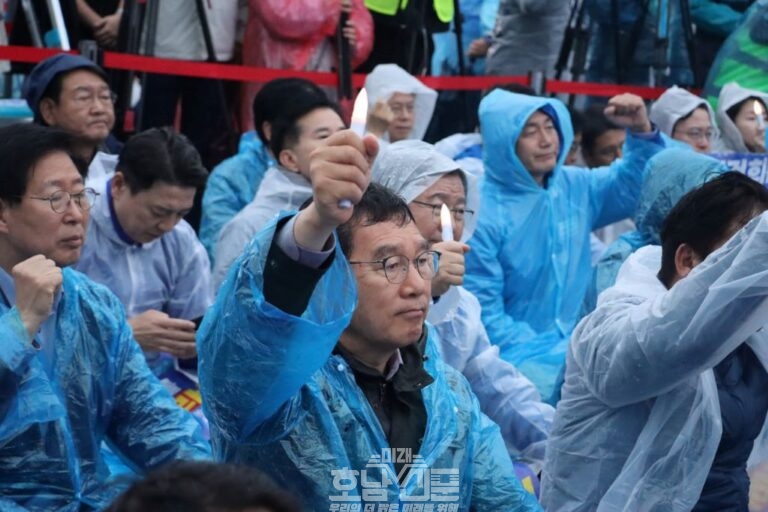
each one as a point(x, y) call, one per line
point(97, 388)
point(282, 190)
point(170, 274)
point(277, 399)
point(530, 260)
point(670, 175)
point(232, 185)
point(639, 421)
point(511, 400)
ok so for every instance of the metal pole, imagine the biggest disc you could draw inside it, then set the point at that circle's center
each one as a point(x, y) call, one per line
point(34, 27)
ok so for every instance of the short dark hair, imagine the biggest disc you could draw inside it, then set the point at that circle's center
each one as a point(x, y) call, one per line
point(734, 110)
point(705, 215)
point(689, 114)
point(275, 98)
point(594, 125)
point(204, 487)
point(378, 204)
point(285, 127)
point(22, 146)
point(160, 154)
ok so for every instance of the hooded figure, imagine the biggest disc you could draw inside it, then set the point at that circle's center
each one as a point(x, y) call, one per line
point(675, 105)
point(388, 79)
point(669, 176)
point(530, 260)
point(409, 168)
point(730, 95)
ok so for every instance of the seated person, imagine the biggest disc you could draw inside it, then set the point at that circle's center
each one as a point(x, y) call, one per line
point(669, 176)
point(664, 393)
point(402, 105)
point(316, 362)
point(685, 117)
point(427, 180)
point(737, 113)
point(302, 126)
point(72, 93)
point(71, 373)
point(234, 182)
point(139, 246)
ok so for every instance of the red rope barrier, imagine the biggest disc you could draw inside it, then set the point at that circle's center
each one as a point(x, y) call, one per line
point(123, 61)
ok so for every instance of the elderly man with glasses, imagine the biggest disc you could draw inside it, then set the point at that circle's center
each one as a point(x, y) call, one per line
point(71, 373)
point(317, 366)
point(72, 93)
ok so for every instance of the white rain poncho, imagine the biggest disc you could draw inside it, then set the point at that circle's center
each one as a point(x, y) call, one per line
point(280, 190)
point(169, 274)
point(675, 104)
point(388, 79)
point(509, 398)
point(639, 421)
point(730, 95)
point(280, 400)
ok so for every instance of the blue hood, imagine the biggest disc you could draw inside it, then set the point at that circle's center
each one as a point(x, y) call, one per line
point(670, 175)
point(502, 117)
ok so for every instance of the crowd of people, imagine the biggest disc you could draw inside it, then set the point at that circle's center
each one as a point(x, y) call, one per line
point(558, 309)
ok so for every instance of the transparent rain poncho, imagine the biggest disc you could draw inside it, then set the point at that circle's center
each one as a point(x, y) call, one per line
point(639, 421)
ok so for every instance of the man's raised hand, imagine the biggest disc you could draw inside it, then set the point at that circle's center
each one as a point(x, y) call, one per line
point(339, 170)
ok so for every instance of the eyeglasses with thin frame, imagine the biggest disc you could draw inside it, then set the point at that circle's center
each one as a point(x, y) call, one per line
point(458, 214)
point(86, 98)
point(61, 199)
point(699, 133)
point(396, 267)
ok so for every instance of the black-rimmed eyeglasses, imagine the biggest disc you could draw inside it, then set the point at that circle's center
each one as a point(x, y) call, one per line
point(396, 267)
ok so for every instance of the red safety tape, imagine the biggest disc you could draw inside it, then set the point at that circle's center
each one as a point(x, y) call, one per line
point(130, 62)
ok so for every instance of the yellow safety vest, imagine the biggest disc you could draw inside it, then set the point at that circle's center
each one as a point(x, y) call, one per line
point(443, 8)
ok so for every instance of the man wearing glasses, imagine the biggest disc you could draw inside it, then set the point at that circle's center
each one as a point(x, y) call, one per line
point(317, 366)
point(140, 247)
point(71, 374)
point(72, 93)
point(427, 180)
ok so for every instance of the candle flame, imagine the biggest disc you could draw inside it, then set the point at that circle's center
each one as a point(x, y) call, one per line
point(445, 223)
point(757, 107)
point(360, 113)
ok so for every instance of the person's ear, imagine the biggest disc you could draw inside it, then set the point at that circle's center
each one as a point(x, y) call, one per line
point(119, 187)
point(289, 160)
point(4, 216)
point(47, 109)
point(686, 260)
point(266, 128)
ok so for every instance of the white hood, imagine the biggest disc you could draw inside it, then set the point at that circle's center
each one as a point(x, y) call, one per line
point(675, 104)
point(730, 95)
point(388, 79)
